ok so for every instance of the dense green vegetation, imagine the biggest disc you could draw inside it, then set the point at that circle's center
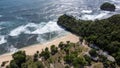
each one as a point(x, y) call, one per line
point(107, 6)
point(103, 33)
point(93, 53)
point(21, 60)
point(18, 59)
point(66, 55)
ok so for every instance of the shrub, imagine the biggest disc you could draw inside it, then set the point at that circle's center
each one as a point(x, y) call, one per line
point(67, 66)
point(61, 45)
point(19, 58)
point(79, 61)
point(13, 64)
point(88, 59)
point(45, 54)
point(35, 57)
point(3, 63)
point(93, 52)
point(54, 49)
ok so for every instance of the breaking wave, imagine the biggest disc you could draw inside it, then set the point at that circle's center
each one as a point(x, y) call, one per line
point(101, 15)
point(32, 28)
point(2, 39)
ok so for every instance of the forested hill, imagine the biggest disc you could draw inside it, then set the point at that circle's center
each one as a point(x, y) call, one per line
point(103, 33)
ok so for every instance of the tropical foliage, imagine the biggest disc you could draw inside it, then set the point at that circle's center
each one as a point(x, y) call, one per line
point(103, 33)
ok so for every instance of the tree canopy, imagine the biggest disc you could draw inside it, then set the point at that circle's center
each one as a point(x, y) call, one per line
point(103, 33)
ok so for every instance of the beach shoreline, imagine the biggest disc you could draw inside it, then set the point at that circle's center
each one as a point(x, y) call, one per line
point(31, 50)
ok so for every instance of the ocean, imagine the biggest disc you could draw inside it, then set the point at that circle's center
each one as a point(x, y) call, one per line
point(27, 22)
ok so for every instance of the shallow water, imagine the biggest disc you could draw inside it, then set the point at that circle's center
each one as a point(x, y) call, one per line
point(26, 22)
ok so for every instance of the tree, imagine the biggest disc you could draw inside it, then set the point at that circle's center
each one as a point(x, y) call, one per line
point(13, 64)
point(67, 66)
point(109, 64)
point(35, 57)
point(79, 61)
point(45, 54)
point(117, 57)
point(93, 52)
point(102, 58)
point(115, 19)
point(88, 59)
point(46, 49)
point(69, 58)
point(3, 63)
point(61, 45)
point(104, 33)
point(19, 58)
point(54, 50)
point(39, 64)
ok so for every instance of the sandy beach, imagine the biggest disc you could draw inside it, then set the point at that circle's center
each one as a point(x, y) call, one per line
point(31, 50)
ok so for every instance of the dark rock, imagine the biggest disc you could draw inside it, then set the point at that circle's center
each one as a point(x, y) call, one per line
point(107, 7)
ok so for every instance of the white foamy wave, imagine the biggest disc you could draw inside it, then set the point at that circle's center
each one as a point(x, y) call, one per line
point(12, 49)
point(117, 6)
point(102, 15)
point(116, 1)
point(2, 39)
point(86, 11)
point(23, 29)
point(17, 31)
point(49, 27)
point(33, 28)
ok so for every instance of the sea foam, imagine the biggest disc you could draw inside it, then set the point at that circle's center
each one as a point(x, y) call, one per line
point(86, 11)
point(23, 29)
point(2, 39)
point(100, 15)
point(12, 49)
point(116, 1)
point(32, 28)
point(49, 27)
